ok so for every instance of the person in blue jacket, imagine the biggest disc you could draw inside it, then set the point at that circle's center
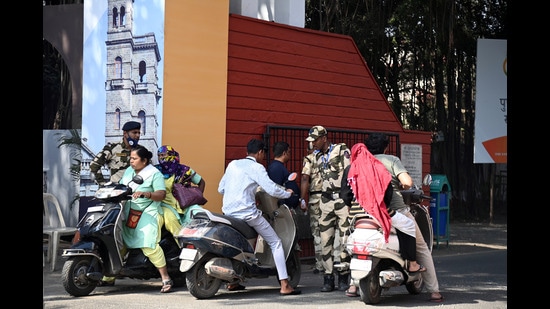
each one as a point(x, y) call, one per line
point(278, 172)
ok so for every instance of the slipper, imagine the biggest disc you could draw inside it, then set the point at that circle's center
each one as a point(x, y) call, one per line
point(420, 270)
point(236, 287)
point(166, 286)
point(351, 294)
point(437, 299)
point(295, 292)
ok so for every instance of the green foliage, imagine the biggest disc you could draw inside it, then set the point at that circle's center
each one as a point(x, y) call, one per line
point(423, 55)
point(73, 141)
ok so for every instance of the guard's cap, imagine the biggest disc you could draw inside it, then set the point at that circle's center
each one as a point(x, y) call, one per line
point(316, 132)
point(131, 125)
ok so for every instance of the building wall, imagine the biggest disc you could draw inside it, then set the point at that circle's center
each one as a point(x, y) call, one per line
point(57, 179)
point(65, 34)
point(228, 76)
point(284, 75)
point(195, 81)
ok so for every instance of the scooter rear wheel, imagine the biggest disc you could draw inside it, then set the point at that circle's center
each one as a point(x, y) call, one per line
point(199, 283)
point(370, 290)
point(74, 277)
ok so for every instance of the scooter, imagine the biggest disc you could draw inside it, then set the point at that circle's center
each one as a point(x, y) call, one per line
point(376, 265)
point(217, 248)
point(96, 247)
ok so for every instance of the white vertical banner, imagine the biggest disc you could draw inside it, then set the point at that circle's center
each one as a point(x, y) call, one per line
point(490, 136)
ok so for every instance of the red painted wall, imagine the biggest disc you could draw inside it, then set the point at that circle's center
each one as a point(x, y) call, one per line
point(284, 75)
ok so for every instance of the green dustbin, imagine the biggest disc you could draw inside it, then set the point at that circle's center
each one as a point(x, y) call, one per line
point(440, 191)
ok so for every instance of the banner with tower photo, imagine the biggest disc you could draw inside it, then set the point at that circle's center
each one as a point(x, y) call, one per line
point(122, 76)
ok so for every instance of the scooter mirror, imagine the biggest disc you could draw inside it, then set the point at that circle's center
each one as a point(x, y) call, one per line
point(292, 176)
point(138, 179)
point(427, 180)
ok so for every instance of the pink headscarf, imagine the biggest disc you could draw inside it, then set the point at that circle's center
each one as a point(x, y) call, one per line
point(369, 179)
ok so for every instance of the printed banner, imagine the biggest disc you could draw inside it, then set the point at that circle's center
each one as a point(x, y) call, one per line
point(490, 142)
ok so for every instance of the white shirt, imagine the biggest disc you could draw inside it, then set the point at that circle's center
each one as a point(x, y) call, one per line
point(239, 184)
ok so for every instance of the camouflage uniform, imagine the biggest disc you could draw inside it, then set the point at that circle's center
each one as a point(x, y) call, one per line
point(314, 201)
point(313, 206)
point(334, 213)
point(117, 159)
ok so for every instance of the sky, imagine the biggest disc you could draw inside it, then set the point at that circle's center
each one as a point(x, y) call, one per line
point(148, 17)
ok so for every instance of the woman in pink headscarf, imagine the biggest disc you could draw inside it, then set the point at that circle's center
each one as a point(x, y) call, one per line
point(370, 182)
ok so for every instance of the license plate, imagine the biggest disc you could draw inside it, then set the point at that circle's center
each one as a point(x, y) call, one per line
point(188, 254)
point(358, 264)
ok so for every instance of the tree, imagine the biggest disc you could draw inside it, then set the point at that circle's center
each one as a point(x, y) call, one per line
point(423, 55)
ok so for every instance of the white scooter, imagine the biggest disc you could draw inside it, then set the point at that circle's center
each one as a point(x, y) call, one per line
point(376, 265)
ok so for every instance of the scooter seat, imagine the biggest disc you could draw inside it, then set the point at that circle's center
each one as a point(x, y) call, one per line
point(239, 224)
point(243, 227)
point(366, 224)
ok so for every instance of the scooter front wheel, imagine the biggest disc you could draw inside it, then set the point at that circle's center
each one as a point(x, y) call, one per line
point(74, 276)
point(199, 283)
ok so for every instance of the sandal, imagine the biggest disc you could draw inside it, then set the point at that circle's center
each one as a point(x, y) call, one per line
point(352, 292)
point(235, 287)
point(419, 270)
point(166, 286)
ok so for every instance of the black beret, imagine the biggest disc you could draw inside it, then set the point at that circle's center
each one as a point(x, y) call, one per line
point(131, 125)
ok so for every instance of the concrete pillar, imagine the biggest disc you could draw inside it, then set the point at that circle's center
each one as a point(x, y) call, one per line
point(289, 12)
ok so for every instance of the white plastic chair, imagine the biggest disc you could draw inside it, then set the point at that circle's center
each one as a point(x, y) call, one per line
point(54, 227)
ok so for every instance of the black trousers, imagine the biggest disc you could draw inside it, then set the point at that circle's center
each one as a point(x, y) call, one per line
point(407, 246)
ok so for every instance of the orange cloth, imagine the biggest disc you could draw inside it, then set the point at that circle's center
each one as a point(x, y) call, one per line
point(369, 179)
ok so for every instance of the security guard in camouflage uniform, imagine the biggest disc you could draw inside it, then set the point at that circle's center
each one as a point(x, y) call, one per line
point(310, 188)
point(331, 160)
point(116, 155)
point(117, 158)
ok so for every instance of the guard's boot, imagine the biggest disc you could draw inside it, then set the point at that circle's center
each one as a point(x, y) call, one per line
point(328, 285)
point(343, 282)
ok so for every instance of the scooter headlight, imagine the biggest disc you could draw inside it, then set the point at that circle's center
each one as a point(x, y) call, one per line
point(103, 193)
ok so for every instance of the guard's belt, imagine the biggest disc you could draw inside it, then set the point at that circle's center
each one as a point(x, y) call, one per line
point(331, 196)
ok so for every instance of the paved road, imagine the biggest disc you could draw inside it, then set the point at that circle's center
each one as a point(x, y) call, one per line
point(472, 271)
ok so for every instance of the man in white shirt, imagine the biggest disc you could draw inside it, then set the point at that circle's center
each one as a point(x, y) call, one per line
point(238, 185)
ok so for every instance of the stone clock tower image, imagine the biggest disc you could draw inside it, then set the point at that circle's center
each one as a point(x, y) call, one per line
point(132, 90)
